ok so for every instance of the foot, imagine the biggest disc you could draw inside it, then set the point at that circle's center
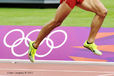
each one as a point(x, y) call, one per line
point(92, 47)
point(32, 51)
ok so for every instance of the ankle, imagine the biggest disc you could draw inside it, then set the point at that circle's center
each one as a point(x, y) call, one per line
point(89, 42)
point(34, 46)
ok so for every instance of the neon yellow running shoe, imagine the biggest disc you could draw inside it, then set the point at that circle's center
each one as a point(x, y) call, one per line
point(32, 51)
point(92, 47)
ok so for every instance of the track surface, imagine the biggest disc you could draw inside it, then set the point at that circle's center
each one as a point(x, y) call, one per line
point(27, 69)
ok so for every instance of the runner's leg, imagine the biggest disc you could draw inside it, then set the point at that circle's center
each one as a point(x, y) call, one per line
point(61, 13)
point(98, 8)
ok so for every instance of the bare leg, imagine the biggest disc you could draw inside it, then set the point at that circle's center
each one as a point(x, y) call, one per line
point(95, 26)
point(61, 13)
point(97, 7)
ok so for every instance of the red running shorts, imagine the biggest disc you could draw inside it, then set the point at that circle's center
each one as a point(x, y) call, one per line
point(72, 3)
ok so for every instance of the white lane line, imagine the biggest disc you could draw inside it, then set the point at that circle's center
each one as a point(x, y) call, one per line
point(45, 70)
point(57, 62)
point(107, 75)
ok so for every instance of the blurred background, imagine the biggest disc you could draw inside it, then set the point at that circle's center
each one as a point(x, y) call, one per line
point(39, 12)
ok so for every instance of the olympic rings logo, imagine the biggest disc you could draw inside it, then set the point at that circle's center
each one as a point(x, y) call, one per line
point(26, 38)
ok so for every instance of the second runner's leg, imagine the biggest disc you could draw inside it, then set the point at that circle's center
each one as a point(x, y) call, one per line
point(98, 8)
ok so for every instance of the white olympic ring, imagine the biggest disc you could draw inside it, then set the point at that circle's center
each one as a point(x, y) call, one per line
point(26, 38)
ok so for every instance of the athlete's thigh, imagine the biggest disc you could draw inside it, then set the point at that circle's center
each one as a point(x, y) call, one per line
point(62, 11)
point(92, 5)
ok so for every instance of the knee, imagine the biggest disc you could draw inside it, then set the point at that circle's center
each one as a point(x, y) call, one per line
point(103, 12)
point(52, 24)
point(56, 22)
